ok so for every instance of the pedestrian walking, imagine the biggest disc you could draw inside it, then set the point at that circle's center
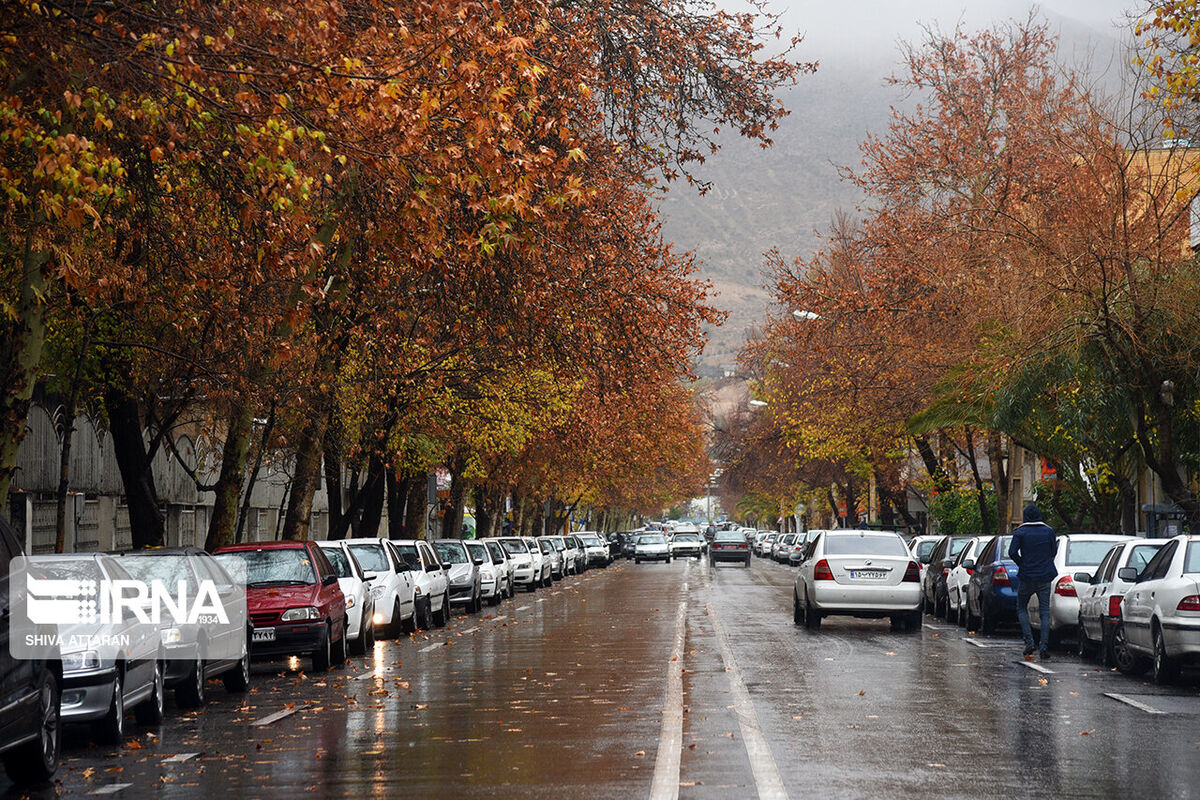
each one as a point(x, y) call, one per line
point(1033, 546)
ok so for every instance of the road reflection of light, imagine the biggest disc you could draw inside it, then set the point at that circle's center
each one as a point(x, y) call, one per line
point(293, 662)
point(378, 657)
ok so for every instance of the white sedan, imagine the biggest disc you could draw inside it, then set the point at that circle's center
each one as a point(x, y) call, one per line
point(867, 574)
point(651, 547)
point(1076, 557)
point(360, 604)
point(958, 577)
point(1161, 611)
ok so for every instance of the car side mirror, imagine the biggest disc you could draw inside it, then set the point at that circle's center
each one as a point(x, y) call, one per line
point(1082, 577)
point(479, 562)
point(947, 562)
point(1127, 574)
point(968, 564)
point(368, 578)
point(329, 580)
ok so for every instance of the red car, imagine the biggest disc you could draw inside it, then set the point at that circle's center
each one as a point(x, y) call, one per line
point(293, 598)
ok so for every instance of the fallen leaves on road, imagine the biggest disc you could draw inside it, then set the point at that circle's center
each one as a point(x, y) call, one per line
point(640, 753)
point(1087, 733)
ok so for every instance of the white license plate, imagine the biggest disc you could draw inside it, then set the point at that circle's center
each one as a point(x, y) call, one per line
point(262, 635)
point(869, 574)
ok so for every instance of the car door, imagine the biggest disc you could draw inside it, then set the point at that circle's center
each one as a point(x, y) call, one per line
point(1138, 604)
point(16, 675)
point(1094, 595)
point(984, 567)
point(438, 583)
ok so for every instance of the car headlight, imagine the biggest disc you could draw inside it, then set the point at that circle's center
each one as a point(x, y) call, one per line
point(377, 591)
point(300, 614)
point(84, 659)
point(349, 601)
point(487, 574)
point(171, 635)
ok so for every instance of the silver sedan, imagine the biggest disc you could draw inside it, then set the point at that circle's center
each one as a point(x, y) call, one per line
point(1161, 611)
point(859, 574)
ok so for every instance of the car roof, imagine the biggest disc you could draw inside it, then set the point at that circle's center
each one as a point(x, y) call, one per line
point(245, 546)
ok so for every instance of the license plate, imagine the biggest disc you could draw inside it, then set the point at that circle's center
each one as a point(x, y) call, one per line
point(869, 574)
point(262, 635)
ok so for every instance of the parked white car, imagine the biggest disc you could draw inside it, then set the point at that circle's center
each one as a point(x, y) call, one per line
point(393, 589)
point(558, 569)
point(958, 578)
point(595, 549)
point(431, 587)
point(466, 588)
point(525, 574)
point(1101, 596)
point(360, 603)
point(1160, 615)
point(575, 551)
point(1077, 556)
point(541, 564)
point(762, 547)
point(859, 574)
point(491, 574)
point(504, 567)
point(922, 549)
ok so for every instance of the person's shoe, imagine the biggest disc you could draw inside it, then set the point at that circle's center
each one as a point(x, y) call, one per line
point(1044, 655)
point(1028, 649)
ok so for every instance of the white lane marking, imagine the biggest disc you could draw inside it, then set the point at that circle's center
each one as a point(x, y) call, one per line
point(429, 647)
point(762, 763)
point(523, 608)
point(936, 627)
point(471, 630)
point(665, 785)
point(1129, 701)
point(1037, 667)
point(270, 718)
point(179, 758)
point(502, 616)
point(541, 599)
point(978, 643)
point(112, 788)
point(365, 676)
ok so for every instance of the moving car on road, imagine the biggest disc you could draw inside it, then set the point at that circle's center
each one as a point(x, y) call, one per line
point(295, 603)
point(652, 547)
point(1161, 611)
point(687, 544)
point(860, 574)
point(728, 546)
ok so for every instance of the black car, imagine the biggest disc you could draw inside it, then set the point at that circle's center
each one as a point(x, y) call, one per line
point(31, 693)
point(729, 546)
point(941, 561)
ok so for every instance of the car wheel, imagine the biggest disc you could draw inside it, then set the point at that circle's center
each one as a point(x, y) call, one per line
point(476, 604)
point(1056, 637)
point(322, 657)
point(812, 618)
point(1083, 645)
point(111, 728)
point(440, 618)
point(190, 693)
point(972, 620)
point(941, 608)
point(238, 679)
point(396, 626)
point(1166, 669)
point(150, 710)
point(426, 611)
point(797, 611)
point(637, 560)
point(36, 760)
point(987, 622)
point(1124, 659)
point(747, 562)
point(668, 559)
point(339, 650)
point(410, 625)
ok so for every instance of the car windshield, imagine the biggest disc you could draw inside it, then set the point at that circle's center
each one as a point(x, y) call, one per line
point(168, 570)
point(652, 538)
point(1142, 553)
point(687, 537)
point(591, 541)
point(274, 567)
point(924, 548)
point(370, 556)
point(956, 545)
point(514, 547)
point(478, 552)
point(451, 552)
point(341, 562)
point(1083, 553)
point(67, 569)
point(864, 545)
point(559, 545)
point(547, 547)
point(1191, 565)
point(497, 552)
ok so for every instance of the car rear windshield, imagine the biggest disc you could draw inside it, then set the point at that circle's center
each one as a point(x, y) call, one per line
point(370, 557)
point(1083, 553)
point(281, 567)
point(1141, 555)
point(341, 562)
point(653, 538)
point(925, 548)
point(451, 552)
point(687, 537)
point(956, 545)
point(514, 547)
point(1191, 566)
point(864, 545)
point(729, 536)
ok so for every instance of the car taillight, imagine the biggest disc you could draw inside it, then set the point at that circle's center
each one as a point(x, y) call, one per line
point(822, 572)
point(970, 571)
point(1000, 577)
point(1114, 605)
point(1065, 587)
point(1189, 603)
point(945, 571)
point(913, 573)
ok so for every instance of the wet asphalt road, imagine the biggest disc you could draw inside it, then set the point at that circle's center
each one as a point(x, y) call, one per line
point(560, 694)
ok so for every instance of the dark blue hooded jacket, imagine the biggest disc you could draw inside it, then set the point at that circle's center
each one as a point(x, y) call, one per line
point(1033, 547)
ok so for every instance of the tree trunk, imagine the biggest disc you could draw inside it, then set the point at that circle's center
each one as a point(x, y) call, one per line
point(415, 506)
point(304, 481)
point(331, 446)
point(22, 339)
point(985, 519)
point(995, 452)
point(397, 493)
point(484, 511)
point(373, 493)
point(452, 524)
point(248, 492)
point(229, 482)
point(125, 424)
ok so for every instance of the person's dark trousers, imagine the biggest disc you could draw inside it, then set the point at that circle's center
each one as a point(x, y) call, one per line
point(1026, 590)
